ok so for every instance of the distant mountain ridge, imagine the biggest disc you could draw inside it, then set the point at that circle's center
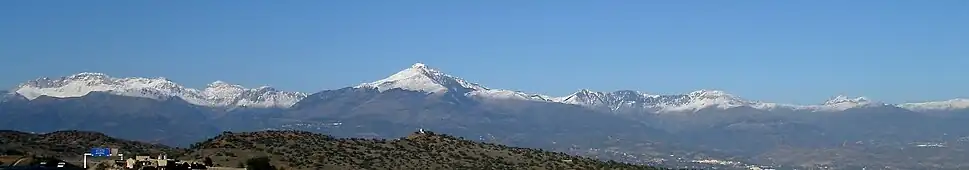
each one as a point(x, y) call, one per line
point(422, 78)
point(217, 94)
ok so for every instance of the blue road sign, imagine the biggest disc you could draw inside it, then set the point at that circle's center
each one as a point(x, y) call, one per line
point(103, 152)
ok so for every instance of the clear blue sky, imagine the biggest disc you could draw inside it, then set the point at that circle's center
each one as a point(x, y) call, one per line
point(783, 51)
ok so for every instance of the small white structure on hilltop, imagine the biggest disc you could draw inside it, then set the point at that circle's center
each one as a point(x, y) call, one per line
point(421, 130)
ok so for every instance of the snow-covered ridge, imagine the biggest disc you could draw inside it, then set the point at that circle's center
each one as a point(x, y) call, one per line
point(420, 77)
point(841, 103)
point(217, 94)
point(937, 105)
point(628, 100)
point(625, 100)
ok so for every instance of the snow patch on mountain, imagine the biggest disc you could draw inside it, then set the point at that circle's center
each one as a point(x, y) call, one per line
point(217, 94)
point(952, 104)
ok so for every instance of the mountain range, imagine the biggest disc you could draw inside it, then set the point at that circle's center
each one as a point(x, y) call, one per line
point(421, 78)
point(624, 125)
point(217, 94)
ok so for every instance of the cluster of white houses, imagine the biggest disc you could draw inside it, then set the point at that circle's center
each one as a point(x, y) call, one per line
point(159, 162)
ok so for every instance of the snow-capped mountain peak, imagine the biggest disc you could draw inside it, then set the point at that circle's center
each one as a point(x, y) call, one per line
point(221, 93)
point(419, 66)
point(711, 94)
point(584, 97)
point(88, 75)
point(844, 99)
point(420, 77)
point(217, 94)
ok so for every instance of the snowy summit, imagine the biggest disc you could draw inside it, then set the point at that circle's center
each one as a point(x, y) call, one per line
point(421, 78)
